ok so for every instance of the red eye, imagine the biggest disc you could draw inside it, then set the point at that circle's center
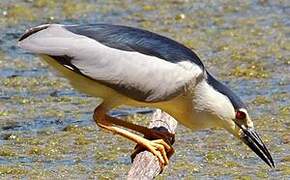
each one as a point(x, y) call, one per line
point(240, 115)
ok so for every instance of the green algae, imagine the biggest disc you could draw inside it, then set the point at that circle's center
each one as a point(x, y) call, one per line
point(286, 159)
point(4, 113)
point(13, 170)
point(82, 140)
point(285, 110)
point(231, 164)
point(181, 166)
point(46, 9)
point(243, 178)
point(149, 8)
point(250, 71)
point(8, 152)
point(36, 151)
point(70, 9)
point(73, 129)
point(45, 3)
point(179, 17)
point(232, 40)
point(285, 170)
point(213, 157)
point(27, 82)
point(261, 100)
point(17, 13)
point(262, 174)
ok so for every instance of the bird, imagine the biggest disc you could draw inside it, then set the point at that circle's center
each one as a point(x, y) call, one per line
point(140, 68)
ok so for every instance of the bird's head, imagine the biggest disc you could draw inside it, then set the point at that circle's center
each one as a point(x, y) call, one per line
point(242, 127)
point(232, 115)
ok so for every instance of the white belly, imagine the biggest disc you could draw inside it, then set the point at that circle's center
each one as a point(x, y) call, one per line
point(177, 107)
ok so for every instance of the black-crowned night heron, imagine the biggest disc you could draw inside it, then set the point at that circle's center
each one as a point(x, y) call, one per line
point(125, 65)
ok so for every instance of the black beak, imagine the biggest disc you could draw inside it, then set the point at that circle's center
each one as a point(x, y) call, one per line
point(252, 139)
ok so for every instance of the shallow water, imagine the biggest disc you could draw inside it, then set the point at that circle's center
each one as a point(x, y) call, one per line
point(47, 128)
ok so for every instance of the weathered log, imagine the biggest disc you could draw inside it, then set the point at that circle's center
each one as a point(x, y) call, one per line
point(145, 164)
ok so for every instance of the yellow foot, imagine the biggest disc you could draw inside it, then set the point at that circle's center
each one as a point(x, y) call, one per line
point(157, 147)
point(167, 137)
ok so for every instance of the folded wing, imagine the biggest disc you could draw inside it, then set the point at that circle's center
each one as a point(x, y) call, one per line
point(140, 64)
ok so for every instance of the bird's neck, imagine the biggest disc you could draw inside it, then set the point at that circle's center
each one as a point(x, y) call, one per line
point(209, 106)
point(200, 107)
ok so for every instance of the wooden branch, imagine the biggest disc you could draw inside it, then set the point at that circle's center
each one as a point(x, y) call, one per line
point(145, 164)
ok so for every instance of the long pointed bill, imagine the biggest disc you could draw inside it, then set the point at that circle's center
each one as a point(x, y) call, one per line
point(252, 139)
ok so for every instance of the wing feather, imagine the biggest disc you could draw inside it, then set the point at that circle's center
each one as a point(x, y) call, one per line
point(134, 39)
point(131, 68)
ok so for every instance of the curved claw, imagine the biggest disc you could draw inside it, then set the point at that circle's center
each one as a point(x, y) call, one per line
point(166, 136)
point(158, 148)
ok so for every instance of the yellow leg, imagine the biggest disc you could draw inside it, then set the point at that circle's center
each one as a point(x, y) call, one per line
point(147, 132)
point(157, 147)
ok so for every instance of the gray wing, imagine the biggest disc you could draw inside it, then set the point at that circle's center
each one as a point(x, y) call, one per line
point(134, 39)
point(141, 65)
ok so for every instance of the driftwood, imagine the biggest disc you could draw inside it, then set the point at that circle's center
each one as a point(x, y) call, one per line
point(145, 164)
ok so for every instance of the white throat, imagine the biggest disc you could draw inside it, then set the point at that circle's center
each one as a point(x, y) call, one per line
point(210, 107)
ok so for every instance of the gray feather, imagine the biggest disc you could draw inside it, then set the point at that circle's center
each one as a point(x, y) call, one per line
point(138, 74)
point(134, 39)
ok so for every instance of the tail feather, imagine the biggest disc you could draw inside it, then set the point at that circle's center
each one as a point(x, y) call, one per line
point(49, 39)
point(33, 31)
